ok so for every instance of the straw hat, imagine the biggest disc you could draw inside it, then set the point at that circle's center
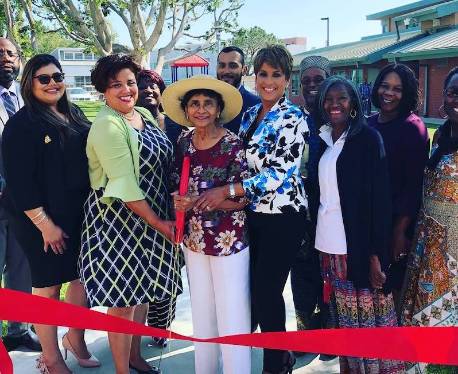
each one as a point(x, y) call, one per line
point(171, 98)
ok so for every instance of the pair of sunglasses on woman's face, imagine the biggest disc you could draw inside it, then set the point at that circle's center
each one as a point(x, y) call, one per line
point(46, 79)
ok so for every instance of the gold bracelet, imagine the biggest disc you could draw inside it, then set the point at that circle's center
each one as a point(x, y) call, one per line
point(45, 217)
point(38, 215)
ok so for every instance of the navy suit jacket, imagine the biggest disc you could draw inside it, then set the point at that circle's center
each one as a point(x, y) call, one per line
point(249, 100)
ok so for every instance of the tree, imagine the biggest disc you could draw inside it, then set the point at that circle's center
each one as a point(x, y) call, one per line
point(251, 41)
point(86, 21)
point(30, 36)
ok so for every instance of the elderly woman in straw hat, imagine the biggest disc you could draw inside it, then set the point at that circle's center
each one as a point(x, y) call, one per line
point(215, 241)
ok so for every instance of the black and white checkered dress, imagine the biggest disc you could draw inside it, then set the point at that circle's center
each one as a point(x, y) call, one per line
point(124, 261)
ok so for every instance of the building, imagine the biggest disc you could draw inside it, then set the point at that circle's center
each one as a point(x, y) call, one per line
point(168, 71)
point(423, 35)
point(295, 45)
point(77, 65)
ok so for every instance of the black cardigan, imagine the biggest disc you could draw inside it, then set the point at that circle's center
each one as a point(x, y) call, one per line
point(363, 183)
point(40, 170)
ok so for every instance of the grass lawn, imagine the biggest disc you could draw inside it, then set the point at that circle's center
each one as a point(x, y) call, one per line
point(90, 108)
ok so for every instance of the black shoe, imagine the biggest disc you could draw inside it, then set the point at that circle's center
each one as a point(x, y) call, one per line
point(153, 370)
point(158, 342)
point(28, 340)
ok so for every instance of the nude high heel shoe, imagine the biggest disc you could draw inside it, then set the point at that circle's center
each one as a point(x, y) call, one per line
point(91, 362)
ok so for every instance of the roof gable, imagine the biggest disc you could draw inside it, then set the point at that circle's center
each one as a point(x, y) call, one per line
point(403, 9)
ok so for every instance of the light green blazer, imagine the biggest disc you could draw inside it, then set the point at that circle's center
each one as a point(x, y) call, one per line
point(114, 156)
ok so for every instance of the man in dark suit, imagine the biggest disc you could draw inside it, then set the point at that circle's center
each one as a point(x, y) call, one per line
point(14, 267)
point(230, 69)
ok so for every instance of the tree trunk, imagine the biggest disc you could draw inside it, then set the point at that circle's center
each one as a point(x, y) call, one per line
point(160, 61)
point(142, 58)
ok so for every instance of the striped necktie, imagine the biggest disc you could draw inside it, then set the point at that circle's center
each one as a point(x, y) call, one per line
point(9, 104)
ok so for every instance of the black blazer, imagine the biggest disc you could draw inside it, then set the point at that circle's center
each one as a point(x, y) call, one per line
point(249, 100)
point(42, 170)
point(362, 178)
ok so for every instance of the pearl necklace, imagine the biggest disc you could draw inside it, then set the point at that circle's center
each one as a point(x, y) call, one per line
point(125, 116)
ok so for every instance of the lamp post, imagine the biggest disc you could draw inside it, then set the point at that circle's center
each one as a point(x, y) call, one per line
point(327, 29)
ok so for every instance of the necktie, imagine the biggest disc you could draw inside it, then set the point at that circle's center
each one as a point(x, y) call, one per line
point(9, 104)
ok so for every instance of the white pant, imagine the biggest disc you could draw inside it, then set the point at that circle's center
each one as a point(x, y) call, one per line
point(220, 303)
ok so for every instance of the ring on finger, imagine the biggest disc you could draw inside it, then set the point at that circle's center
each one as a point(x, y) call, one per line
point(208, 208)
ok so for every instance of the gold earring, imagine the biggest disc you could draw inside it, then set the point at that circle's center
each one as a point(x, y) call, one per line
point(353, 113)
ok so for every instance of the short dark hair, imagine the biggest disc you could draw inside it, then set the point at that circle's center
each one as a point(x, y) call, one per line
point(410, 91)
point(202, 91)
point(276, 56)
point(108, 67)
point(449, 76)
point(233, 48)
point(355, 123)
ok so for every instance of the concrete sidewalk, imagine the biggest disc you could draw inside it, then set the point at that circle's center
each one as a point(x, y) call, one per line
point(178, 356)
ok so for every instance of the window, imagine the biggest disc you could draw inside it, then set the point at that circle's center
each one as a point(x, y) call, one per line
point(89, 56)
point(295, 84)
point(78, 55)
point(68, 55)
point(82, 81)
point(357, 76)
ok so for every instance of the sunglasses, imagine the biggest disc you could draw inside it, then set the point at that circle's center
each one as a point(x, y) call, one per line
point(46, 79)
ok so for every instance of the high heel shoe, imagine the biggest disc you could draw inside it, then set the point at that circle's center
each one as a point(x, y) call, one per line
point(152, 370)
point(41, 365)
point(91, 362)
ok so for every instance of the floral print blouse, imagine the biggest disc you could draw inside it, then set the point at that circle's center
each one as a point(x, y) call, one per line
point(215, 233)
point(274, 155)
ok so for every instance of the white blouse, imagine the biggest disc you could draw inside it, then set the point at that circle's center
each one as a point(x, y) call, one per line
point(330, 232)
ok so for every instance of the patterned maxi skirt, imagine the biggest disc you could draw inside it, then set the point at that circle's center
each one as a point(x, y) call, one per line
point(430, 295)
point(353, 307)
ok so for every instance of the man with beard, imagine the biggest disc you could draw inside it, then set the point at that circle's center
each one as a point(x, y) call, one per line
point(13, 263)
point(306, 281)
point(230, 69)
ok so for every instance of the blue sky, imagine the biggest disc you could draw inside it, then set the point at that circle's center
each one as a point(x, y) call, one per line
point(289, 18)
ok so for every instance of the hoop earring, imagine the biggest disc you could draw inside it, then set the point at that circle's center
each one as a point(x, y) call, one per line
point(353, 113)
point(442, 112)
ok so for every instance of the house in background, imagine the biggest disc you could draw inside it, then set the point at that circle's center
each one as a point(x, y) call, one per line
point(422, 35)
point(77, 65)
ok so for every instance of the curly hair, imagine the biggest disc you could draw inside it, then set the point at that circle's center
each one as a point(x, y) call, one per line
point(108, 67)
point(410, 92)
point(276, 56)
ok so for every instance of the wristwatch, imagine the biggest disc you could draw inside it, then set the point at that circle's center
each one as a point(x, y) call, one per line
point(231, 190)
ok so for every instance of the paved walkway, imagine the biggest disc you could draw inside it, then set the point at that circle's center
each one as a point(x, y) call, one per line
point(178, 357)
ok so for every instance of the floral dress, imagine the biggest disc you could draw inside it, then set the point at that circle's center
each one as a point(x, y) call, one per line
point(215, 233)
point(431, 286)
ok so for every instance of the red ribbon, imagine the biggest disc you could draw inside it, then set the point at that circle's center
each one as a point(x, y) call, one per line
point(183, 190)
point(437, 345)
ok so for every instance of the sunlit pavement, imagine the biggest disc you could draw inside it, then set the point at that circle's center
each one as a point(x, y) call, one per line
point(178, 356)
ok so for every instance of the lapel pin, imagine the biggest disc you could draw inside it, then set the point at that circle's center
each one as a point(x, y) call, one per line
point(47, 139)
